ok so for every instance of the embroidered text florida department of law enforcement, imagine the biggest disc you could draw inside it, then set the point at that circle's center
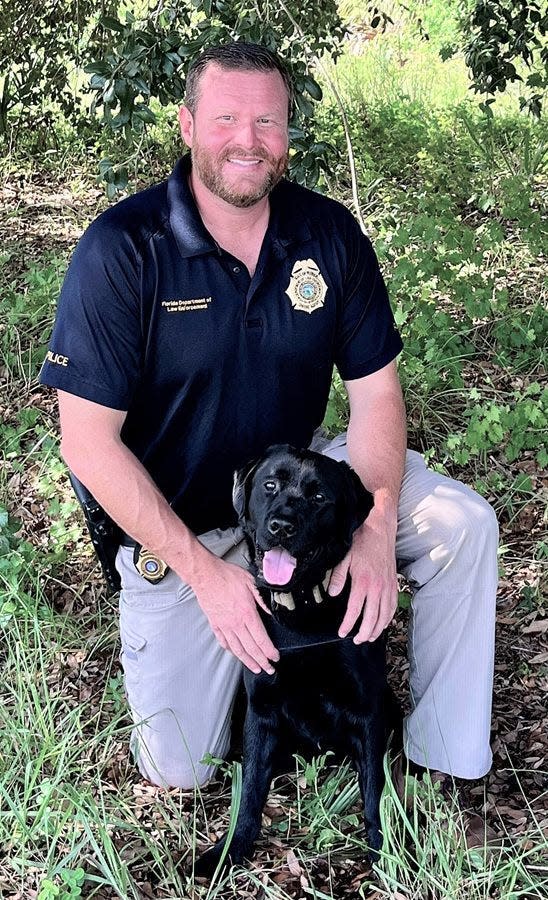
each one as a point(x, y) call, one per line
point(307, 288)
point(57, 359)
point(177, 306)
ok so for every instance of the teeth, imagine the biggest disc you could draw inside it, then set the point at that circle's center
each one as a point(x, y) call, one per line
point(317, 594)
point(325, 582)
point(284, 599)
point(245, 162)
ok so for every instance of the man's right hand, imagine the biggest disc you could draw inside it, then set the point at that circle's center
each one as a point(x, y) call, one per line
point(228, 596)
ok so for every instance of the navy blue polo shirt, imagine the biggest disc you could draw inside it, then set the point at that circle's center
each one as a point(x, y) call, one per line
point(211, 365)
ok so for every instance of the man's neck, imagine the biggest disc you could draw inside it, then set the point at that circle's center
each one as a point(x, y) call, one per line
point(220, 216)
point(239, 231)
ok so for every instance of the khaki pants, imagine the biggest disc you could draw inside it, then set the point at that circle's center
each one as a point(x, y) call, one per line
point(181, 684)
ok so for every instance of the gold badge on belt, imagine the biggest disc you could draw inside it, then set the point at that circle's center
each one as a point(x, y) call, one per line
point(307, 288)
point(149, 566)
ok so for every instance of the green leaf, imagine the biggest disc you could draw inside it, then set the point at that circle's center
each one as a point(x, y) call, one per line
point(104, 166)
point(304, 105)
point(145, 114)
point(447, 51)
point(523, 483)
point(111, 24)
point(98, 68)
point(313, 88)
point(404, 600)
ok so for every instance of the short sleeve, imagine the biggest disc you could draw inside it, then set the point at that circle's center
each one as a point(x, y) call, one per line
point(95, 349)
point(367, 338)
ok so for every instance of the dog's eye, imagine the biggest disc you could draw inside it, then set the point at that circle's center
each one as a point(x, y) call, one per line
point(319, 497)
point(270, 486)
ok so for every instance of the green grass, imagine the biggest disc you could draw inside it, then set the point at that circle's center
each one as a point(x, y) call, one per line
point(65, 825)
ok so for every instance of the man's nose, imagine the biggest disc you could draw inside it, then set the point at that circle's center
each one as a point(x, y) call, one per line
point(247, 136)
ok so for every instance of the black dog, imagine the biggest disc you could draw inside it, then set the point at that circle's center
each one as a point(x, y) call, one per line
point(299, 510)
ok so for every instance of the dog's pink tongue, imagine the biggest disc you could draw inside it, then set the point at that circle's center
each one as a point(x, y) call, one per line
point(278, 566)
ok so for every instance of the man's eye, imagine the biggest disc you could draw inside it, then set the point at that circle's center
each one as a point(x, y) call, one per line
point(270, 486)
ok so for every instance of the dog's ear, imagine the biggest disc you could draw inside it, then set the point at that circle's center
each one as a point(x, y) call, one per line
point(242, 485)
point(360, 498)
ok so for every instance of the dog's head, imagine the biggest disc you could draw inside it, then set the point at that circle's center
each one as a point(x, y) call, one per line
point(298, 510)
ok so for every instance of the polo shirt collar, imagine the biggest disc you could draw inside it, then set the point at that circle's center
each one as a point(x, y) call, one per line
point(287, 224)
point(191, 235)
point(288, 220)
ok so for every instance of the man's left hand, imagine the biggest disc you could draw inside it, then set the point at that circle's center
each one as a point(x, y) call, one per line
point(371, 563)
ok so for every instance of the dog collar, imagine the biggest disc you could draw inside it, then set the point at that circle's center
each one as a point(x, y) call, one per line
point(287, 639)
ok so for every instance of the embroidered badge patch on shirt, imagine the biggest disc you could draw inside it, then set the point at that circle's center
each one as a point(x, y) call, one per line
point(307, 288)
point(178, 306)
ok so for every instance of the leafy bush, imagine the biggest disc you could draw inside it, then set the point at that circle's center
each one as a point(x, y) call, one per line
point(452, 203)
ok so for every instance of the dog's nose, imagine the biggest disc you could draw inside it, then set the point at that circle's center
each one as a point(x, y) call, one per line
point(279, 527)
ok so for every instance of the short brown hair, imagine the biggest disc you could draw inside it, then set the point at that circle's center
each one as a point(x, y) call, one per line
point(237, 55)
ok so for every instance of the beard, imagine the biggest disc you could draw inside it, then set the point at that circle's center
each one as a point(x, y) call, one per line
point(208, 167)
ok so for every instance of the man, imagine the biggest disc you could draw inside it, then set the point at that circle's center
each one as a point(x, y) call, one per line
point(199, 322)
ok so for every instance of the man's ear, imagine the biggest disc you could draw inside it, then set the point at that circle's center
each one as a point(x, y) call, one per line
point(243, 479)
point(186, 124)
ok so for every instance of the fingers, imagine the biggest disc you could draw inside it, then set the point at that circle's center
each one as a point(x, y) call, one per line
point(257, 642)
point(250, 641)
point(338, 577)
point(375, 597)
point(260, 602)
point(354, 606)
point(229, 598)
point(380, 607)
point(246, 648)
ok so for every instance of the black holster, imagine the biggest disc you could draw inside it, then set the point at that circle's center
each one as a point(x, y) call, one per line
point(105, 534)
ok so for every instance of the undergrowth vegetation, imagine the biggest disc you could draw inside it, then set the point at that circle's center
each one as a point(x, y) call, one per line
point(455, 204)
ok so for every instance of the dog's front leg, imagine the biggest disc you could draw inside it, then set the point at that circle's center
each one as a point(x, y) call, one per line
point(368, 747)
point(260, 743)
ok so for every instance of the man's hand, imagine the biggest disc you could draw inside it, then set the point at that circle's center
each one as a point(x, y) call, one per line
point(371, 563)
point(229, 598)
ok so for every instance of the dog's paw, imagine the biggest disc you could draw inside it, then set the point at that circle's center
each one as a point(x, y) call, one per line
point(374, 843)
point(206, 864)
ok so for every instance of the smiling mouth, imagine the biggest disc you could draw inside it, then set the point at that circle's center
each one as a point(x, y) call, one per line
point(244, 163)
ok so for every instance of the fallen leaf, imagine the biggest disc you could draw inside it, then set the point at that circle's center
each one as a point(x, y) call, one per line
point(538, 627)
point(293, 864)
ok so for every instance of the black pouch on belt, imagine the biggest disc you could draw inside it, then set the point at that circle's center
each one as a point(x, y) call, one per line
point(105, 534)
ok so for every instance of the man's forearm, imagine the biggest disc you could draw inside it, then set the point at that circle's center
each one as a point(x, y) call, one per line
point(123, 487)
point(377, 440)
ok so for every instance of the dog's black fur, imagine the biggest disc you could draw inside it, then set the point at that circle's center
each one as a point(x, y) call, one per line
point(329, 692)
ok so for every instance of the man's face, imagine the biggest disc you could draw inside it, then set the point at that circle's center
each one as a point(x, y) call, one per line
point(238, 134)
